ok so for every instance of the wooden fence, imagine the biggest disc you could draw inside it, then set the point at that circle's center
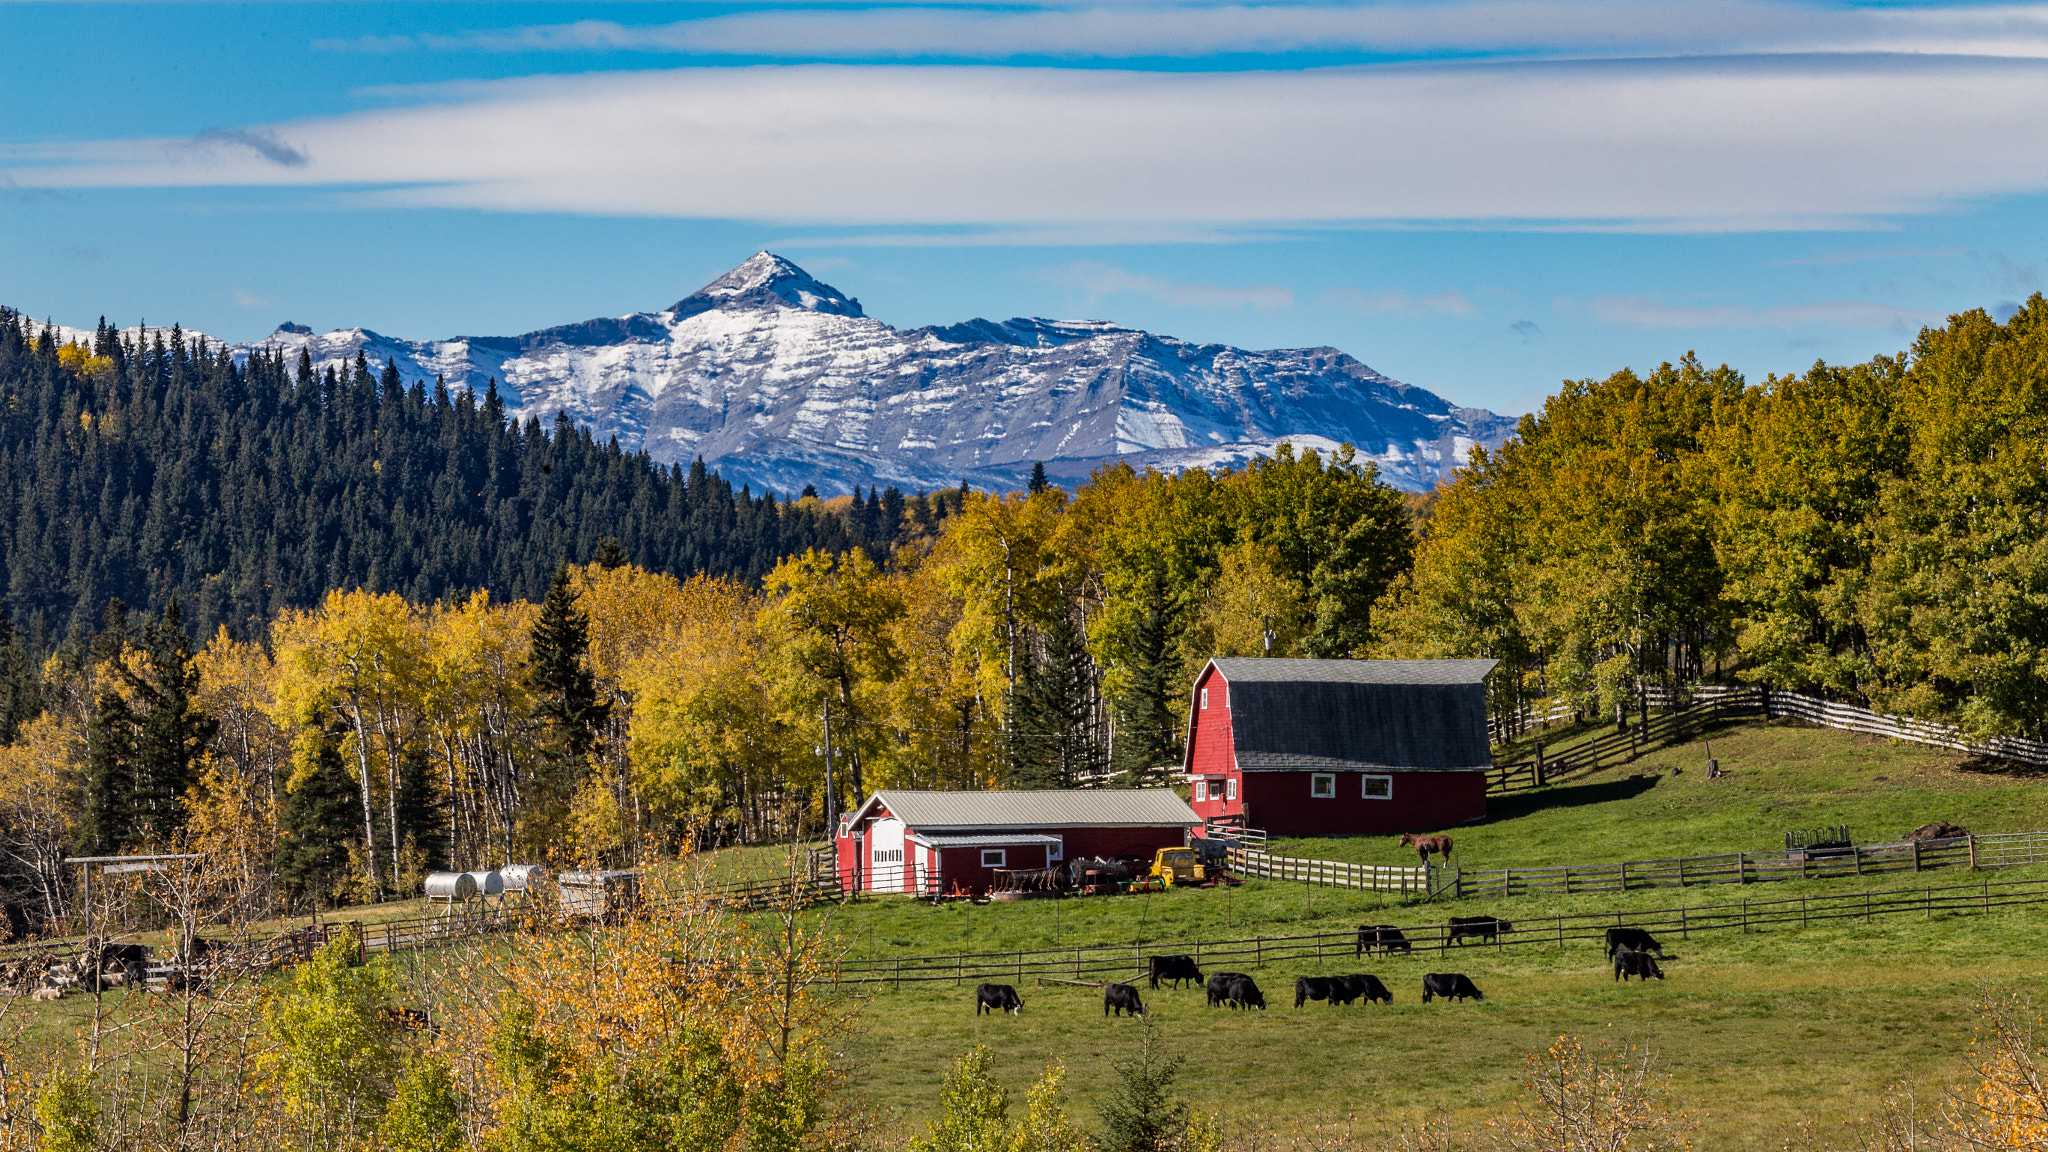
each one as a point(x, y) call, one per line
point(1430, 942)
point(1408, 881)
point(1683, 719)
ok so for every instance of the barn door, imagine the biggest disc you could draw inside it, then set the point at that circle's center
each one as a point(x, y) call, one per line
point(923, 871)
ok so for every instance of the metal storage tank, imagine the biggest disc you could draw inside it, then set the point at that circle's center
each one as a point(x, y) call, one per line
point(454, 886)
point(600, 895)
point(523, 877)
point(488, 883)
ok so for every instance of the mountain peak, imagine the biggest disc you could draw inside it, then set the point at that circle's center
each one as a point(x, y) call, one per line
point(767, 280)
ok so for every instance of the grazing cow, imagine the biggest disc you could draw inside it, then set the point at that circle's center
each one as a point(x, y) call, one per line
point(1122, 998)
point(1364, 986)
point(47, 992)
point(1381, 938)
point(1449, 985)
point(1243, 992)
point(1619, 939)
point(1309, 988)
point(1637, 964)
point(1174, 969)
point(996, 998)
point(1484, 927)
point(1424, 845)
point(1219, 986)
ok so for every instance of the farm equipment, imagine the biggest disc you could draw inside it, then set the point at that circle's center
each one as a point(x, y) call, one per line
point(1178, 866)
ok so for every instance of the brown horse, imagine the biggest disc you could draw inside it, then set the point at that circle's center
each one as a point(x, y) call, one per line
point(1424, 845)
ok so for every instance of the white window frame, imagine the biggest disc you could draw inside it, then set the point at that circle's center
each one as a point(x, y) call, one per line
point(1205, 699)
point(1002, 856)
point(1226, 697)
point(1365, 784)
point(1322, 785)
point(1201, 791)
point(1230, 788)
point(1056, 850)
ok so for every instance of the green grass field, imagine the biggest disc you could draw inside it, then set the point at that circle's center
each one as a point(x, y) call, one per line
point(1781, 775)
point(1760, 1031)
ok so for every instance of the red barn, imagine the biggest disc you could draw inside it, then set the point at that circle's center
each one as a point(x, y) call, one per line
point(1340, 747)
point(903, 841)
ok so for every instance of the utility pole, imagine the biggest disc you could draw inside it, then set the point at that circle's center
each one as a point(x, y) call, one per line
point(1266, 623)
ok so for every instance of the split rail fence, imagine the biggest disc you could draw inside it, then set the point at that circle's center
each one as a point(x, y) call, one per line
point(1104, 963)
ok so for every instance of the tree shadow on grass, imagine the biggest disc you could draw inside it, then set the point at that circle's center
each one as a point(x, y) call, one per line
point(1517, 804)
point(2010, 769)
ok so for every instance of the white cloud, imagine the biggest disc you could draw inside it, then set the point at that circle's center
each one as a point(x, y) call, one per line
point(1451, 302)
point(250, 299)
point(1640, 312)
point(1522, 28)
point(1710, 144)
point(1100, 281)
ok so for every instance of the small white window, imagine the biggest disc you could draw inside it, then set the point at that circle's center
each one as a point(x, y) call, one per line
point(1230, 788)
point(1054, 850)
point(993, 857)
point(1377, 788)
point(1322, 785)
point(1205, 699)
point(1226, 696)
point(1201, 791)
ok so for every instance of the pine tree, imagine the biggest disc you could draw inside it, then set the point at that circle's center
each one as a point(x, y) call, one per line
point(172, 734)
point(108, 820)
point(566, 699)
point(1144, 714)
point(317, 823)
point(20, 684)
point(422, 820)
point(1140, 1114)
point(1054, 745)
point(1038, 481)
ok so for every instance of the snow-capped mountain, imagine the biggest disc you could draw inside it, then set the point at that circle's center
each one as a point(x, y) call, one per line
point(778, 380)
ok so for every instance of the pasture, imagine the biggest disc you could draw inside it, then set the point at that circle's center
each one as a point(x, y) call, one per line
point(1781, 774)
point(1760, 1031)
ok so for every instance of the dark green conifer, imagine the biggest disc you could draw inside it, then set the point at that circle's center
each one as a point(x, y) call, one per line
point(316, 822)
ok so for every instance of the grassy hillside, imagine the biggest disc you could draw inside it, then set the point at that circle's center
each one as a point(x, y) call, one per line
point(1760, 1031)
point(1780, 775)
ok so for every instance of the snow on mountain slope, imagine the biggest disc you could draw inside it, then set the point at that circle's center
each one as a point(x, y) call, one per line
point(778, 380)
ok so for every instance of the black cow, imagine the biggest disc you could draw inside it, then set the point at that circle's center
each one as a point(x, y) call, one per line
point(1309, 988)
point(1484, 927)
point(1450, 986)
point(1122, 998)
point(1243, 992)
point(1382, 938)
point(1638, 964)
point(1174, 969)
point(1635, 938)
point(995, 998)
point(1368, 987)
point(1219, 986)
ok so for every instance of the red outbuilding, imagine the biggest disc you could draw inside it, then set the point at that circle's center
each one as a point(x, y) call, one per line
point(1340, 747)
point(901, 841)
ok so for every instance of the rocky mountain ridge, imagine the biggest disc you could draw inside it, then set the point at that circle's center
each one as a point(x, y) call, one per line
point(779, 380)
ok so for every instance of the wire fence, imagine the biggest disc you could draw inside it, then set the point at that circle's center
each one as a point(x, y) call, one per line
point(1094, 964)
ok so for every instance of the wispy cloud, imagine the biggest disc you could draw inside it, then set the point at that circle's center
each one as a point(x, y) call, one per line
point(1641, 312)
point(250, 299)
point(1859, 257)
point(1755, 144)
point(1101, 281)
point(261, 142)
point(1520, 28)
point(1451, 302)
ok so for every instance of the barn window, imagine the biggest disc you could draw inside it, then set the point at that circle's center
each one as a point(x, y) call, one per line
point(1205, 699)
point(1201, 791)
point(1230, 788)
point(1322, 785)
point(993, 857)
point(888, 855)
point(1378, 788)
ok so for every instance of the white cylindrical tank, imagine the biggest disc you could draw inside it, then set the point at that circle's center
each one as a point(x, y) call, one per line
point(488, 883)
point(452, 885)
point(523, 877)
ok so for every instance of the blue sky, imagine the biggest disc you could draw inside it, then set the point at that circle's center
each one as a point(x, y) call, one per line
point(1482, 197)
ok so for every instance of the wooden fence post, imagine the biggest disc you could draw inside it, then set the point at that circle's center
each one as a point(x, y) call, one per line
point(1973, 853)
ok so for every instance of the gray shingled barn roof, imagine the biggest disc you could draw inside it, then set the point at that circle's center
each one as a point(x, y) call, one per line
point(1034, 808)
point(1358, 715)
